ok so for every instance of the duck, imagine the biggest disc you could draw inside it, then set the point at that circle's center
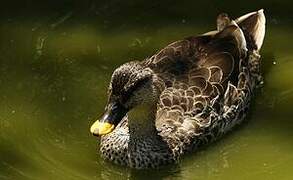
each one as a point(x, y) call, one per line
point(186, 95)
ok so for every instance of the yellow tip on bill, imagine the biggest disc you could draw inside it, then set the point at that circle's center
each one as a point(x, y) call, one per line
point(101, 128)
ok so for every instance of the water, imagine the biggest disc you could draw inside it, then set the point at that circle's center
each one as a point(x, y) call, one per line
point(53, 80)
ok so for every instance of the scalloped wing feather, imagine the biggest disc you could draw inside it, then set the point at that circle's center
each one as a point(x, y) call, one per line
point(201, 78)
point(195, 73)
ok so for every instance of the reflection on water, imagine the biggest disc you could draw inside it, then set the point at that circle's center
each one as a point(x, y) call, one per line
point(53, 82)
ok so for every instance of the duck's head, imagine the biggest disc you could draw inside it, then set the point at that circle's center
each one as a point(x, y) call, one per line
point(131, 85)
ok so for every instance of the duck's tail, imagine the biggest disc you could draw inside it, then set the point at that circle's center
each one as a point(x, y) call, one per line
point(253, 27)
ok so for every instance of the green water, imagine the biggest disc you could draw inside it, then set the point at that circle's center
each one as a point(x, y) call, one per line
point(53, 80)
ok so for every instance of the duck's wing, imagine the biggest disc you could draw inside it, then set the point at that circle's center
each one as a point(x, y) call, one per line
point(193, 75)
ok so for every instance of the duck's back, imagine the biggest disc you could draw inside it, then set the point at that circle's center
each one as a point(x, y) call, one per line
point(206, 82)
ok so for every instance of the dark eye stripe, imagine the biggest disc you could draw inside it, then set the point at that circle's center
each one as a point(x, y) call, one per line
point(137, 85)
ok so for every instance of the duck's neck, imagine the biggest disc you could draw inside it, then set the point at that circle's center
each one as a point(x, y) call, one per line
point(141, 121)
point(146, 148)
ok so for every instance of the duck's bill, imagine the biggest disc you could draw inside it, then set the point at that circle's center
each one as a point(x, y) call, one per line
point(113, 115)
point(101, 128)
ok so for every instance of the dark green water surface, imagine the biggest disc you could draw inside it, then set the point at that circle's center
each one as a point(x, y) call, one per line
point(55, 64)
